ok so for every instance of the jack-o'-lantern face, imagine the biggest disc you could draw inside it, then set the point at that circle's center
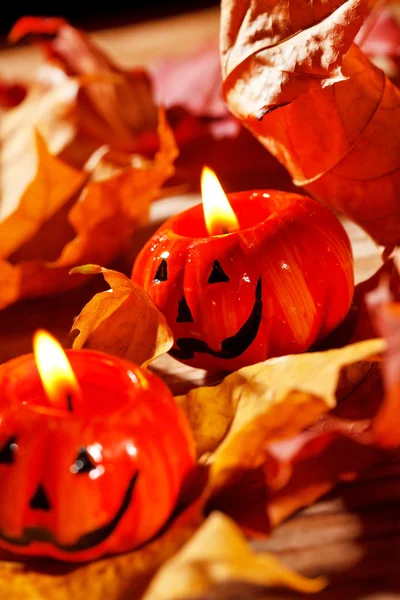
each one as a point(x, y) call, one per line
point(101, 480)
point(281, 282)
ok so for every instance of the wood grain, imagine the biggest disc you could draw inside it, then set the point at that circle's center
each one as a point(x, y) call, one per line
point(353, 535)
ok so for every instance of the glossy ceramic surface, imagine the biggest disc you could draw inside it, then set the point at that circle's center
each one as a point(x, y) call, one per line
point(275, 287)
point(98, 479)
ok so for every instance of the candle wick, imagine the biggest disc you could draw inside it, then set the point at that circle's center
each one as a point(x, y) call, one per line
point(69, 402)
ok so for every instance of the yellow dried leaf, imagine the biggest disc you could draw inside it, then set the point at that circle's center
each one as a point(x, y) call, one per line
point(123, 320)
point(219, 552)
point(290, 395)
point(262, 403)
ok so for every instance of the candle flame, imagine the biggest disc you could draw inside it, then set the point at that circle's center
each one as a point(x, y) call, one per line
point(218, 213)
point(58, 378)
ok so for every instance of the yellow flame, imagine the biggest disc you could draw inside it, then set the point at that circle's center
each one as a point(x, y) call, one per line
point(218, 213)
point(58, 378)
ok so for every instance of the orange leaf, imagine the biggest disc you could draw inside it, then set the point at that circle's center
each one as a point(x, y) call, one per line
point(45, 197)
point(219, 552)
point(337, 125)
point(39, 182)
point(109, 210)
point(53, 185)
point(122, 321)
point(95, 227)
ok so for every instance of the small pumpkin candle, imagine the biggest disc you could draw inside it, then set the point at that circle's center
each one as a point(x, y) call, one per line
point(260, 274)
point(93, 453)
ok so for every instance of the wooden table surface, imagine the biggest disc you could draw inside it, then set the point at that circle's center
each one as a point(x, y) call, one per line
point(353, 535)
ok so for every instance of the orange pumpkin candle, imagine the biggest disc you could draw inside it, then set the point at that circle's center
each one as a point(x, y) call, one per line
point(94, 464)
point(271, 275)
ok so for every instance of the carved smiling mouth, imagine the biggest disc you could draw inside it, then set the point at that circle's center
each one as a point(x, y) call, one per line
point(86, 541)
point(231, 347)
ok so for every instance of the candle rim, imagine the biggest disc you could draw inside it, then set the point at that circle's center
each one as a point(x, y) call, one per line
point(266, 195)
point(81, 413)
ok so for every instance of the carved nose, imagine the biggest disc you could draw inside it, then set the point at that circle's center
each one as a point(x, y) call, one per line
point(39, 500)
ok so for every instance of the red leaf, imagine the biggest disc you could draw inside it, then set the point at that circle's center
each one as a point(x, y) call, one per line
point(11, 94)
point(36, 25)
point(381, 37)
point(193, 83)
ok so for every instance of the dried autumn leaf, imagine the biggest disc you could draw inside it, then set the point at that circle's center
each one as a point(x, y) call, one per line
point(113, 106)
point(44, 110)
point(206, 132)
point(51, 189)
point(110, 209)
point(219, 552)
point(268, 401)
point(82, 89)
point(385, 313)
point(301, 470)
point(293, 394)
point(114, 578)
point(289, 442)
point(123, 320)
point(358, 324)
point(336, 127)
point(53, 185)
point(11, 94)
point(94, 227)
point(296, 471)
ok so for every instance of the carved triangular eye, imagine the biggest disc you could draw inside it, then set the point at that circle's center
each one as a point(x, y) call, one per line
point(162, 271)
point(217, 274)
point(40, 500)
point(7, 452)
point(83, 463)
point(184, 313)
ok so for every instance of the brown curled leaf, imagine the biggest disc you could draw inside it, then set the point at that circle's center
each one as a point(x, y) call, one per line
point(123, 320)
point(339, 136)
